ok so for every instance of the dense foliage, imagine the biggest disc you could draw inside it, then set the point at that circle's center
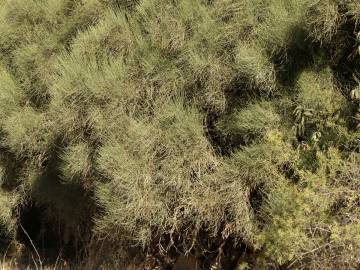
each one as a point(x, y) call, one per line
point(226, 129)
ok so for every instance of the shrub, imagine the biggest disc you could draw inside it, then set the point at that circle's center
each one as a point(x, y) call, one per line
point(7, 220)
point(255, 68)
point(324, 19)
point(317, 92)
point(166, 128)
point(248, 124)
point(28, 133)
point(283, 27)
point(76, 161)
point(11, 96)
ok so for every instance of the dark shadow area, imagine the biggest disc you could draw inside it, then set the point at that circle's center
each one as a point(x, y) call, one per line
point(344, 56)
point(58, 217)
point(47, 236)
point(298, 56)
point(13, 167)
point(237, 96)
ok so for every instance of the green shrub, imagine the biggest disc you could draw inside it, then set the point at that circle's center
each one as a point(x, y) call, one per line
point(324, 19)
point(167, 128)
point(28, 133)
point(255, 68)
point(283, 27)
point(250, 123)
point(76, 161)
point(317, 92)
point(11, 96)
point(7, 219)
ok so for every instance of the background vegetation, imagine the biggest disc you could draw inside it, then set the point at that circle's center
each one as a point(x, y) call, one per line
point(132, 132)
